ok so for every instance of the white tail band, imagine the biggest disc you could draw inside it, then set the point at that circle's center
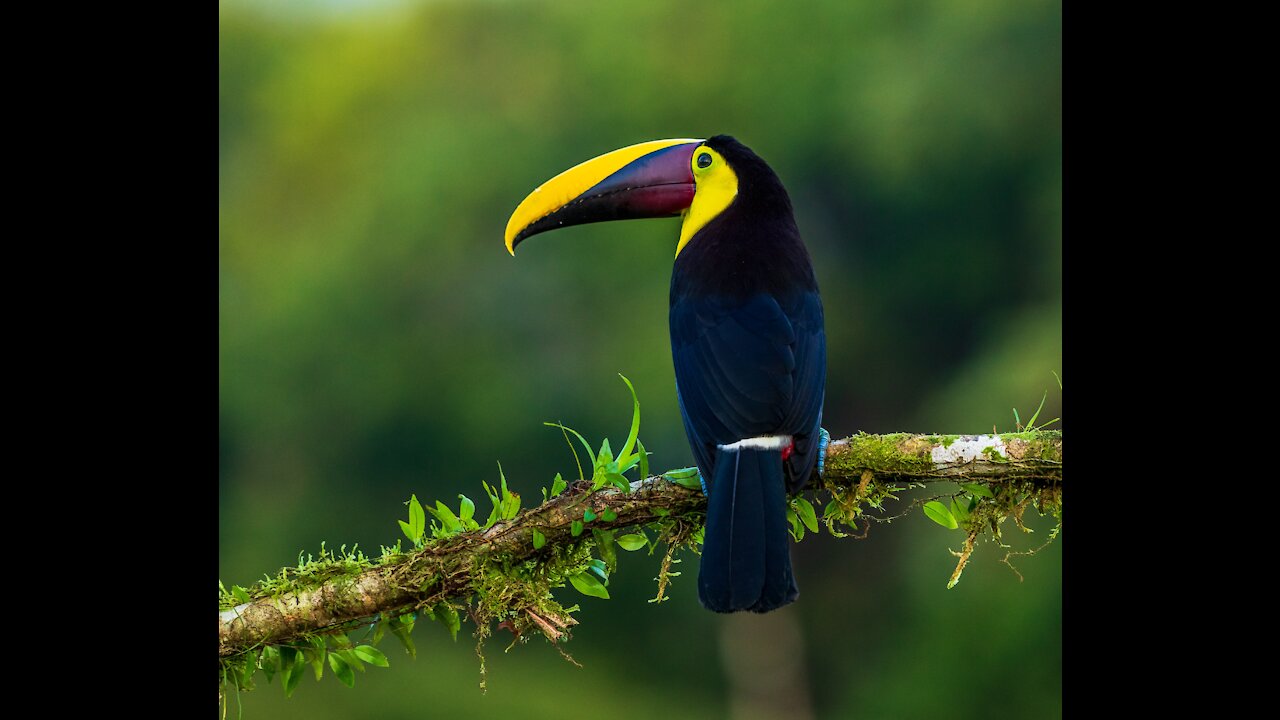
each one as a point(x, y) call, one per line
point(763, 442)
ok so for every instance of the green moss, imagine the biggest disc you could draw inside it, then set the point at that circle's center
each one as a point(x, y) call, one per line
point(897, 453)
point(994, 455)
point(1011, 500)
point(1042, 449)
point(1036, 438)
point(518, 597)
point(1029, 435)
point(330, 568)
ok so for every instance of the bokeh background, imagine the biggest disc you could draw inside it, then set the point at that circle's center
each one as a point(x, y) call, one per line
point(376, 340)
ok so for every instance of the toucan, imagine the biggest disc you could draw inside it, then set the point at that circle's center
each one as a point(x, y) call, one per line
point(747, 339)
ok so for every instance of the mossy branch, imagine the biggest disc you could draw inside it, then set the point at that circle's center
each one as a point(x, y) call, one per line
point(458, 565)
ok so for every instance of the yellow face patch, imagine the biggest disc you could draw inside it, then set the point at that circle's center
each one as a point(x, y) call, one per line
point(717, 187)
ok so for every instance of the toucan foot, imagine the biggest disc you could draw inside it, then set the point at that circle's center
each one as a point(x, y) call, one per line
point(824, 439)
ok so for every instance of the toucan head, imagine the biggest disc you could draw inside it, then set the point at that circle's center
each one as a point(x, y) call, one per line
point(662, 178)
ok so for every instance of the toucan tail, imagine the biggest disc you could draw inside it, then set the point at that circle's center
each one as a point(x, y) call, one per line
point(746, 557)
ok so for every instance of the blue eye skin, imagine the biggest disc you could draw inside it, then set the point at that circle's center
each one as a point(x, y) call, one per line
point(704, 160)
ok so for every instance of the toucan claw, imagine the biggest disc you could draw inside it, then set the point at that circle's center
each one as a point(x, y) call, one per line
point(824, 439)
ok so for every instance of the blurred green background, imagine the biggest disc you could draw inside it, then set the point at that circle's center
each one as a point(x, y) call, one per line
point(376, 340)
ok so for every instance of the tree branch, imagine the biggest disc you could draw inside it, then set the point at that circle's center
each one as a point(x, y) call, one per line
point(452, 567)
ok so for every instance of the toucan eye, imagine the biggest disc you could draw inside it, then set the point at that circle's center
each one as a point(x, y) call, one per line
point(704, 160)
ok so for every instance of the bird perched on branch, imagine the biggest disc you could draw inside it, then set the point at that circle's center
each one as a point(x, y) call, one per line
point(747, 339)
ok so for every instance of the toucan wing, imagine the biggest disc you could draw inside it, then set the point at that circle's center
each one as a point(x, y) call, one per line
point(747, 367)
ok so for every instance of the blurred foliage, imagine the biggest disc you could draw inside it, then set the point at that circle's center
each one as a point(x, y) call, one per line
point(376, 340)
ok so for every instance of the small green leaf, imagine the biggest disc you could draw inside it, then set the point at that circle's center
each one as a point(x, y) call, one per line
point(797, 528)
point(558, 485)
point(978, 490)
point(351, 659)
point(269, 661)
point(960, 510)
point(644, 459)
point(315, 655)
point(290, 683)
point(417, 518)
point(502, 478)
point(581, 439)
point(598, 567)
point(448, 616)
point(468, 508)
point(939, 513)
point(807, 515)
point(605, 456)
point(290, 665)
point(625, 463)
point(605, 545)
point(402, 634)
point(510, 500)
point(609, 515)
point(342, 670)
point(587, 584)
point(496, 501)
point(619, 481)
point(588, 516)
point(446, 517)
point(407, 529)
point(511, 506)
point(576, 528)
point(1031, 424)
point(685, 477)
point(661, 512)
point(372, 655)
point(633, 435)
point(538, 540)
point(245, 678)
point(240, 594)
point(634, 541)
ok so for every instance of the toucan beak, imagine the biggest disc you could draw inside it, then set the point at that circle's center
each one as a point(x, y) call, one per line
point(651, 179)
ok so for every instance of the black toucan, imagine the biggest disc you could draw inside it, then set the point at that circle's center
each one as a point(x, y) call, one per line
point(747, 339)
